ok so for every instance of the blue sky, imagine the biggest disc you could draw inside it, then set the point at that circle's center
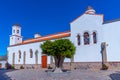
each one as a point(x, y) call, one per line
point(47, 16)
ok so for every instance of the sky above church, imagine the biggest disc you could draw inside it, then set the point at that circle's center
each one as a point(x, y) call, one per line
point(47, 16)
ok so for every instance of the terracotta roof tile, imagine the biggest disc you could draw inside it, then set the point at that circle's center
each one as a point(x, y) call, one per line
point(45, 38)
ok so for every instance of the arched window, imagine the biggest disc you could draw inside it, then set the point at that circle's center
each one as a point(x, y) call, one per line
point(94, 38)
point(36, 52)
point(78, 39)
point(31, 53)
point(19, 54)
point(13, 59)
point(17, 31)
point(24, 57)
point(86, 38)
point(36, 56)
point(13, 31)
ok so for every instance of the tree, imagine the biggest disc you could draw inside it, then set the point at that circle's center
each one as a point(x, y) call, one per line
point(59, 49)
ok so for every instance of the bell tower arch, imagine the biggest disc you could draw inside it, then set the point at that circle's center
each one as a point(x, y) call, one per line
point(16, 37)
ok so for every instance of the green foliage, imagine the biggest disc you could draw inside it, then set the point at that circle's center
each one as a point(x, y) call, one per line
point(49, 67)
point(21, 67)
point(61, 47)
point(12, 67)
point(104, 67)
point(8, 66)
point(47, 48)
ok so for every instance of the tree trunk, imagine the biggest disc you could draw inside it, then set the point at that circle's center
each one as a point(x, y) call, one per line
point(59, 63)
point(56, 61)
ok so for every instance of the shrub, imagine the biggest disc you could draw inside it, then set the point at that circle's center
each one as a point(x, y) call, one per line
point(49, 67)
point(104, 67)
point(21, 67)
point(12, 67)
point(9, 66)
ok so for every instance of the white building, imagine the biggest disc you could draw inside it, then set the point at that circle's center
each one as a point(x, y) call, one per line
point(95, 41)
point(3, 64)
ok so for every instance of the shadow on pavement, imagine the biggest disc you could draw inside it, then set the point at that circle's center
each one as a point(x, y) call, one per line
point(115, 76)
point(3, 75)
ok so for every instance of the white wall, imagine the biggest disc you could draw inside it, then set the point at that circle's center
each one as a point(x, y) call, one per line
point(26, 48)
point(112, 38)
point(3, 64)
point(87, 23)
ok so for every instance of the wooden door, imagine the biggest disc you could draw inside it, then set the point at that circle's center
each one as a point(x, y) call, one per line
point(44, 61)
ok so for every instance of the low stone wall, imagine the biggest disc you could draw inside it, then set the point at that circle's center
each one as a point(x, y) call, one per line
point(87, 65)
point(74, 65)
point(91, 65)
point(28, 66)
point(81, 65)
point(114, 65)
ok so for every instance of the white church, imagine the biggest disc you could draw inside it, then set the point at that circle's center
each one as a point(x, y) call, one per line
point(96, 41)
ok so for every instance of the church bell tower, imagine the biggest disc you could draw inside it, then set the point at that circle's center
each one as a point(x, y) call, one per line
point(16, 37)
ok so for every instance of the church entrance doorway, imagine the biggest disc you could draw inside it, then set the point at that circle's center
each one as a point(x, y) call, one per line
point(44, 61)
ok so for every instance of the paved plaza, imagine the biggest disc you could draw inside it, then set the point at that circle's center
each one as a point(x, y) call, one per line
point(38, 74)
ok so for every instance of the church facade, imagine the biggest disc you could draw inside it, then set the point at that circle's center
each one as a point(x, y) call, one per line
point(94, 39)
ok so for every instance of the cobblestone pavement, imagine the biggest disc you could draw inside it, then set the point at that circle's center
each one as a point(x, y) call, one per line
point(30, 74)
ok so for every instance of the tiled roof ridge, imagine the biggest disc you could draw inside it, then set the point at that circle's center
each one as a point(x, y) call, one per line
point(51, 35)
point(44, 38)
